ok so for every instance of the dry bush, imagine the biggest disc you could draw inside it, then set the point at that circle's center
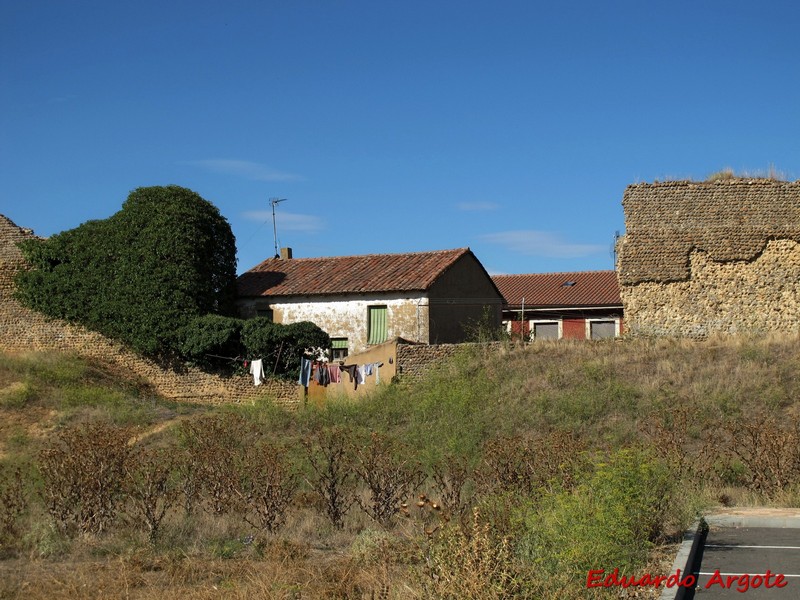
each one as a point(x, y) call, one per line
point(522, 465)
point(265, 486)
point(151, 485)
point(452, 476)
point(330, 456)
point(471, 563)
point(210, 468)
point(13, 504)
point(668, 437)
point(769, 450)
point(390, 472)
point(83, 470)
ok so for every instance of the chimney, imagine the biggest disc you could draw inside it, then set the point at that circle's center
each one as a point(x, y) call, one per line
point(286, 253)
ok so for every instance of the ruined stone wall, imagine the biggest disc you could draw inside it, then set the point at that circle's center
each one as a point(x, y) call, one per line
point(24, 330)
point(712, 257)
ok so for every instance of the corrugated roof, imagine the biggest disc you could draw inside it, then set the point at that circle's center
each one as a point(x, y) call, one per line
point(412, 271)
point(578, 288)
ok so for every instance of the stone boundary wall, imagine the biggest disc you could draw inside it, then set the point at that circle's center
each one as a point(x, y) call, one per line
point(414, 361)
point(24, 330)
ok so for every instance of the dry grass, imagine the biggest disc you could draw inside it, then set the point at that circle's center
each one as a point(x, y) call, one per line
point(596, 397)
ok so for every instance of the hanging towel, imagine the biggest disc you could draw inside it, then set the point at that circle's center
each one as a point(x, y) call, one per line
point(257, 371)
point(305, 372)
point(362, 378)
point(335, 373)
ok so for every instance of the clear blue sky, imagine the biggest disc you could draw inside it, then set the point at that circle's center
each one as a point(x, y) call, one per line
point(509, 127)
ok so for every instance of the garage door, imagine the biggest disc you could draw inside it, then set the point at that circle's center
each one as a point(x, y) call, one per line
point(603, 329)
point(545, 331)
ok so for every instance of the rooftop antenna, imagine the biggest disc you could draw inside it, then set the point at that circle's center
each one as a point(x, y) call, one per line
point(274, 202)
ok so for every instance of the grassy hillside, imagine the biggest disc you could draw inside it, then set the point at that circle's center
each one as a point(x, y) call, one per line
point(507, 473)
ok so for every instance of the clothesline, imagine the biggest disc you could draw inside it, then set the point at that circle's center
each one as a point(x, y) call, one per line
point(326, 373)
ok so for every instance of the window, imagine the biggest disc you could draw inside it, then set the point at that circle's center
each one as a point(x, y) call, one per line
point(602, 330)
point(376, 324)
point(545, 330)
point(338, 349)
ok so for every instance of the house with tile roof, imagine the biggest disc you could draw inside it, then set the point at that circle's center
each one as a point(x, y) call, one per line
point(550, 306)
point(711, 257)
point(363, 301)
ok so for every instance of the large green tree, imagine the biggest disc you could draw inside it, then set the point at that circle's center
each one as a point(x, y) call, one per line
point(141, 275)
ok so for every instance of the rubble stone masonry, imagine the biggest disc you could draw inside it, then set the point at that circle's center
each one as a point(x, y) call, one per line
point(24, 330)
point(700, 258)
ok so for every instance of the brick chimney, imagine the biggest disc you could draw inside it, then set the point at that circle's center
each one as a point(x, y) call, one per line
point(286, 253)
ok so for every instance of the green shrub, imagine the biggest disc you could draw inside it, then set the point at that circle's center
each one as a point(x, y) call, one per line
point(212, 335)
point(140, 275)
point(608, 521)
point(281, 346)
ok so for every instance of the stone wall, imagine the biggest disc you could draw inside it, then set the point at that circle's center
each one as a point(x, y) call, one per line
point(414, 361)
point(711, 257)
point(23, 330)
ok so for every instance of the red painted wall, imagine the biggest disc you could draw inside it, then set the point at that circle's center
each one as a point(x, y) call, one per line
point(515, 329)
point(574, 329)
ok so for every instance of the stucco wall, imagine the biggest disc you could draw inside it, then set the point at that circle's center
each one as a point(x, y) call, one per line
point(346, 316)
point(23, 330)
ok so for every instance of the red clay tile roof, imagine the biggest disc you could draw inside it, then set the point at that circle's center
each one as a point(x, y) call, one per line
point(591, 288)
point(413, 271)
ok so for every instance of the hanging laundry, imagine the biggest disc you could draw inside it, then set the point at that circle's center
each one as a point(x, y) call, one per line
point(305, 372)
point(368, 369)
point(377, 368)
point(362, 377)
point(335, 373)
point(257, 371)
point(352, 370)
point(322, 376)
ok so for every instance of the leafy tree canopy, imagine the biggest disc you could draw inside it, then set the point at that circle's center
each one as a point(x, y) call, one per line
point(141, 275)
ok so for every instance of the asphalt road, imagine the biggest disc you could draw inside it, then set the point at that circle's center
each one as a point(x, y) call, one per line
point(735, 552)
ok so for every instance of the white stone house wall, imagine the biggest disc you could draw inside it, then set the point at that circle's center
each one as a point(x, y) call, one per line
point(348, 316)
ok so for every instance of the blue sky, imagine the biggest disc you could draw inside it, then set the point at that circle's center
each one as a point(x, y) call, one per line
point(509, 127)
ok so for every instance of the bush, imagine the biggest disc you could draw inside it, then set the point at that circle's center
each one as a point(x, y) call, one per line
point(390, 472)
point(472, 563)
point(151, 485)
point(142, 274)
point(212, 334)
point(83, 471)
point(13, 504)
point(281, 346)
point(608, 521)
point(329, 452)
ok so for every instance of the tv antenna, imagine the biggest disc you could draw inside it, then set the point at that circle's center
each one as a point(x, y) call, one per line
point(273, 203)
point(614, 245)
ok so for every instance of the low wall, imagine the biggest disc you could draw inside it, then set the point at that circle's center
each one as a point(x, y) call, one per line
point(414, 361)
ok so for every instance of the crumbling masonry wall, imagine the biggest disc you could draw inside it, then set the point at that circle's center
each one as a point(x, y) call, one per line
point(24, 330)
point(700, 258)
